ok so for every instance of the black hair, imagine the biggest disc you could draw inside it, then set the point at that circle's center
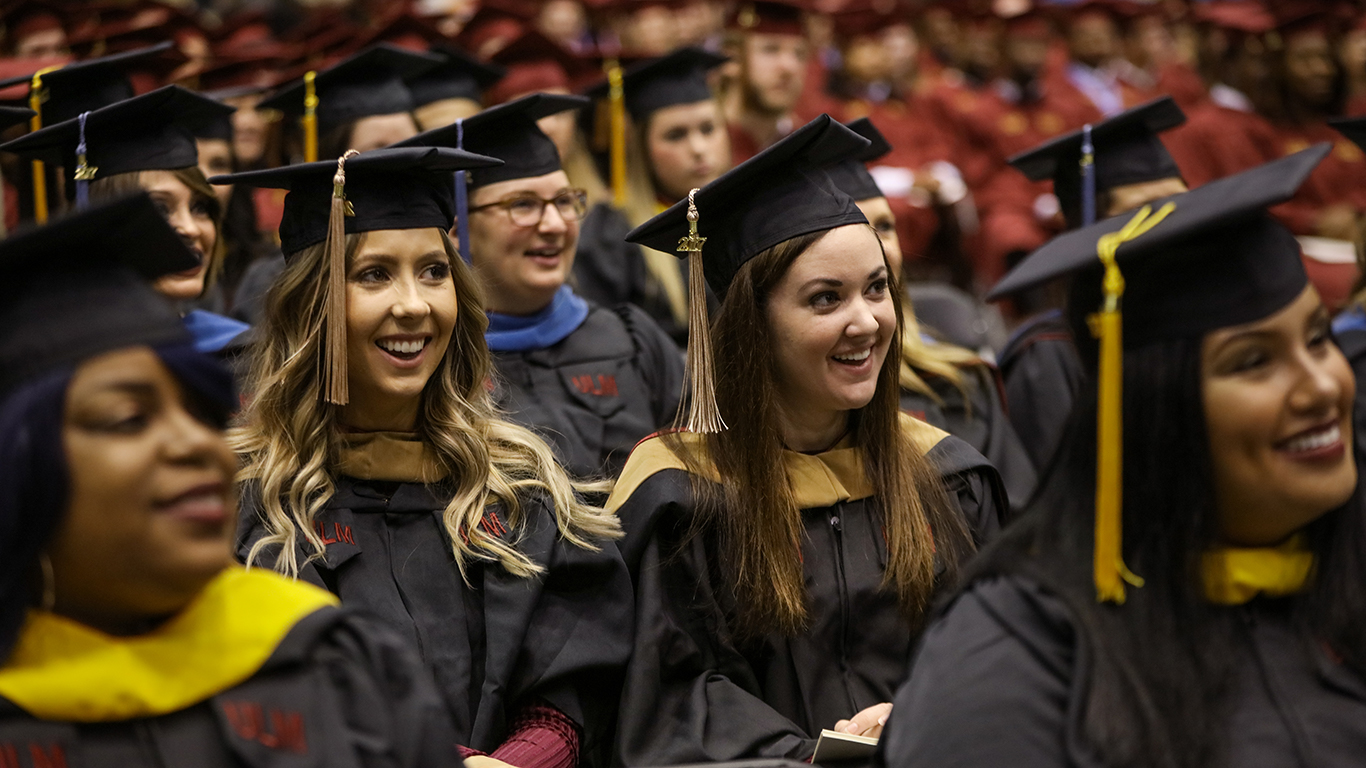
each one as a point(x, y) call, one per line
point(33, 496)
point(1159, 665)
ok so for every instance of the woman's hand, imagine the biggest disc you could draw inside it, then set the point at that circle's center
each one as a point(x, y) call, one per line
point(869, 722)
point(484, 761)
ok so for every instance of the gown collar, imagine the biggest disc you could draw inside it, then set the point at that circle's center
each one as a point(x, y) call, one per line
point(1235, 575)
point(550, 326)
point(388, 456)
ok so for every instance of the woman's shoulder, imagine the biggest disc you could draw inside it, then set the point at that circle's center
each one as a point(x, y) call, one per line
point(659, 462)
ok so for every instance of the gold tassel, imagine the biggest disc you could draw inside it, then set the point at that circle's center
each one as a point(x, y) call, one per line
point(1110, 571)
point(335, 384)
point(703, 415)
point(616, 91)
point(310, 119)
point(36, 96)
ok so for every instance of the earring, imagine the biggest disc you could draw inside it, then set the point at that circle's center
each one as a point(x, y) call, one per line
point(49, 583)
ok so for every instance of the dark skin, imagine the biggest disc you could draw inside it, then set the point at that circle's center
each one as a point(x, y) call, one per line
point(151, 513)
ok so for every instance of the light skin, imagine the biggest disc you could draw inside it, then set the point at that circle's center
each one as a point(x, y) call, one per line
point(401, 308)
point(832, 303)
point(878, 212)
point(150, 519)
point(378, 131)
point(41, 44)
point(688, 147)
point(521, 268)
point(215, 159)
point(774, 71)
point(1131, 197)
point(249, 129)
point(190, 217)
point(1278, 408)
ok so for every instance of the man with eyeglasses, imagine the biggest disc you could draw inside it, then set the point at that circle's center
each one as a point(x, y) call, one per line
point(592, 380)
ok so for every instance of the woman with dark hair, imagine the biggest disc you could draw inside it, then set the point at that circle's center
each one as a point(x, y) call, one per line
point(376, 464)
point(786, 545)
point(1189, 593)
point(127, 635)
point(146, 144)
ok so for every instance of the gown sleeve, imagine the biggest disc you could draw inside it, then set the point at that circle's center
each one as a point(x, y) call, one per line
point(660, 362)
point(974, 485)
point(690, 696)
point(991, 684)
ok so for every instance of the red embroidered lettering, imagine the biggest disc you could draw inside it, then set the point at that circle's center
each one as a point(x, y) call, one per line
point(248, 721)
point(289, 730)
point(344, 533)
point(608, 385)
point(55, 758)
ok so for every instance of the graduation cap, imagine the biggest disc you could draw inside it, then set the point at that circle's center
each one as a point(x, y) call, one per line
point(534, 63)
point(651, 85)
point(1353, 128)
point(10, 116)
point(771, 17)
point(404, 188)
point(851, 175)
point(507, 132)
point(1126, 151)
point(368, 83)
point(496, 23)
point(1201, 260)
point(79, 287)
point(459, 76)
point(1241, 16)
point(145, 133)
point(780, 193)
point(84, 85)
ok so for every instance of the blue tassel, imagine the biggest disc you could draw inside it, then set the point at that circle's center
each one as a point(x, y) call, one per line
point(83, 171)
point(462, 199)
point(1088, 178)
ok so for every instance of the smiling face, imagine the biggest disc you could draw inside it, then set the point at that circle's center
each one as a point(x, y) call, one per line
point(191, 216)
point(401, 306)
point(832, 319)
point(1278, 404)
point(687, 146)
point(151, 513)
point(521, 268)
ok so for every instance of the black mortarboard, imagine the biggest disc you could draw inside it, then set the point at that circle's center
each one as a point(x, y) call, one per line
point(407, 188)
point(10, 116)
point(90, 84)
point(145, 133)
point(1353, 128)
point(507, 132)
point(215, 125)
point(851, 176)
point(678, 78)
point(460, 76)
point(1218, 259)
point(780, 193)
point(1127, 151)
point(368, 83)
point(78, 287)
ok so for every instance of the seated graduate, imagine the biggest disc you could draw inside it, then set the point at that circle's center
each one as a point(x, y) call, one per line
point(1039, 365)
point(945, 385)
point(1349, 327)
point(128, 636)
point(453, 89)
point(786, 546)
point(675, 141)
point(145, 143)
point(375, 464)
point(592, 380)
point(1244, 641)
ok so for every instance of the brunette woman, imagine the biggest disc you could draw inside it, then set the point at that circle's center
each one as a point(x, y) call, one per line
point(593, 380)
point(145, 144)
point(376, 465)
point(128, 637)
point(787, 545)
point(1192, 596)
point(675, 141)
point(947, 386)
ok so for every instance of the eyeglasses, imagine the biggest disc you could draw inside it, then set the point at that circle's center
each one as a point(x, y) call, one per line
point(527, 210)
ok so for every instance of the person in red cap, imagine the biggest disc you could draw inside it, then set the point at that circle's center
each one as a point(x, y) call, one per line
point(1097, 66)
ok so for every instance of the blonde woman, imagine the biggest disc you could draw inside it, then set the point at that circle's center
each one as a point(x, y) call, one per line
point(376, 465)
point(944, 385)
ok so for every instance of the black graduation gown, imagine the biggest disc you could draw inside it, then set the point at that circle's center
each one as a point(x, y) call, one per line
point(610, 271)
point(1043, 375)
point(338, 692)
point(497, 643)
point(996, 681)
point(613, 381)
point(979, 420)
point(691, 693)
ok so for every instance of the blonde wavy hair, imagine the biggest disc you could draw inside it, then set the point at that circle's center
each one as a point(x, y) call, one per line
point(920, 356)
point(289, 438)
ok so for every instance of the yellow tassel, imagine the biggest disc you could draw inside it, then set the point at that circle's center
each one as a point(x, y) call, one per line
point(703, 415)
point(36, 96)
point(335, 385)
point(617, 99)
point(1110, 571)
point(310, 119)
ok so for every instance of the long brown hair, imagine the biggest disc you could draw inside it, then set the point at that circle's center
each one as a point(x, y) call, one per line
point(290, 441)
point(753, 511)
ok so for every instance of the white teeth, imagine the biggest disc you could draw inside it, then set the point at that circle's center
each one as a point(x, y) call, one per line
point(1314, 441)
point(856, 357)
point(403, 347)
